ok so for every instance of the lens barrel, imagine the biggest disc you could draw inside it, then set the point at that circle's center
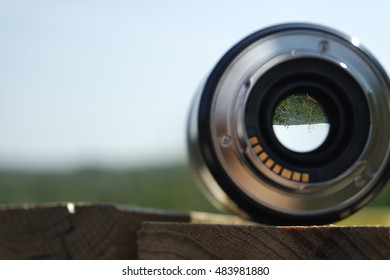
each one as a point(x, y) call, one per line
point(274, 81)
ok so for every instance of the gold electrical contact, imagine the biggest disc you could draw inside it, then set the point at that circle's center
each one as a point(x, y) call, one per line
point(276, 168)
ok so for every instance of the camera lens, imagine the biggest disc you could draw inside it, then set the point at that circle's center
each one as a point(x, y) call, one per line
point(292, 126)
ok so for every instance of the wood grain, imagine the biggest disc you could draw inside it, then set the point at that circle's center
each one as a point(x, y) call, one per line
point(74, 231)
point(201, 241)
point(82, 231)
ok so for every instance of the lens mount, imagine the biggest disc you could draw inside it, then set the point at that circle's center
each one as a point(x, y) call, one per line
point(240, 160)
point(343, 101)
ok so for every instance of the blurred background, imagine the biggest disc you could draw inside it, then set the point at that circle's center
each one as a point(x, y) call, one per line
point(94, 95)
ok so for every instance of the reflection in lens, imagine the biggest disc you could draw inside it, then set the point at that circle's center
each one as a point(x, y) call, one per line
point(300, 123)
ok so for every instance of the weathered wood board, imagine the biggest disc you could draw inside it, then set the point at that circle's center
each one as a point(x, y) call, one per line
point(88, 231)
point(201, 241)
point(81, 231)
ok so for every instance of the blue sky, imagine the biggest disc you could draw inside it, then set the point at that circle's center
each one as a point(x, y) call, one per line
point(110, 82)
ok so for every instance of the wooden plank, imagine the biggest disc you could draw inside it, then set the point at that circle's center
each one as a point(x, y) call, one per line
point(201, 241)
point(76, 231)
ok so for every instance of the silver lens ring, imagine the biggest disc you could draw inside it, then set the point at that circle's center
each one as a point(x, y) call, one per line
point(234, 147)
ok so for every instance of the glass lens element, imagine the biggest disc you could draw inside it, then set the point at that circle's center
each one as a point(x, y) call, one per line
point(300, 123)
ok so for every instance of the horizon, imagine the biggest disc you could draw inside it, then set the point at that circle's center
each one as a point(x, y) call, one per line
point(111, 83)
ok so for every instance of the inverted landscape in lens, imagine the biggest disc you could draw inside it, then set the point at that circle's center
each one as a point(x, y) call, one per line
point(300, 123)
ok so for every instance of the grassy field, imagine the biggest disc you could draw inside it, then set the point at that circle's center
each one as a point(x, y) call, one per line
point(170, 187)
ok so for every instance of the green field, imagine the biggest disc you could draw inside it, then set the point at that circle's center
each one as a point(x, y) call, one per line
point(170, 187)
